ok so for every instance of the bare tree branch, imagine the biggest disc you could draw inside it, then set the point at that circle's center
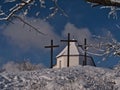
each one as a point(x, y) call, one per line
point(29, 24)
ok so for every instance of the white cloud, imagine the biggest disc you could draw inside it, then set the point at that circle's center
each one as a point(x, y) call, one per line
point(77, 33)
point(81, 33)
point(25, 37)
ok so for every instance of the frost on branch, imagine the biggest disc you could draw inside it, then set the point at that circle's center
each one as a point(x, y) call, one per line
point(42, 3)
point(105, 47)
point(25, 7)
point(113, 11)
point(113, 5)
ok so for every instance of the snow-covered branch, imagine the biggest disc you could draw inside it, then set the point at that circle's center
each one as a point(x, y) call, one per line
point(16, 9)
point(113, 11)
point(106, 47)
point(55, 10)
point(25, 7)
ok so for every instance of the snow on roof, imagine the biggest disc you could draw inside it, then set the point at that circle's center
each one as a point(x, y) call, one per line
point(74, 50)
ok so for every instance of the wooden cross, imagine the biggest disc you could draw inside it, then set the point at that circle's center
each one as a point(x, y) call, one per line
point(85, 51)
point(52, 46)
point(68, 43)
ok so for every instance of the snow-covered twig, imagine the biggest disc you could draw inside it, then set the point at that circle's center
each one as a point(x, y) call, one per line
point(108, 48)
point(55, 9)
point(17, 8)
point(26, 5)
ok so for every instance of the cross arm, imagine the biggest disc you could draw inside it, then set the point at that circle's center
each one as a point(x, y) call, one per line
point(51, 46)
point(68, 40)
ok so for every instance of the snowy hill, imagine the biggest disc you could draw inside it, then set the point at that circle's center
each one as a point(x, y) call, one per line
point(73, 78)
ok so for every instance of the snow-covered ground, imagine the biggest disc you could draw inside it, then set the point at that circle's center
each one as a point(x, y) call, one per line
point(73, 78)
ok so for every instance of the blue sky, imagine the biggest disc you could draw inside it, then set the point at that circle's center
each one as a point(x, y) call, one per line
point(19, 42)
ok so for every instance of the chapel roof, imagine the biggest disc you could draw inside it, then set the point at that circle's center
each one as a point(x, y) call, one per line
point(74, 50)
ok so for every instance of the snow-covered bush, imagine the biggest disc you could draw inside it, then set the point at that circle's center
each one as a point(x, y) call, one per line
point(27, 66)
point(23, 66)
point(73, 78)
point(117, 67)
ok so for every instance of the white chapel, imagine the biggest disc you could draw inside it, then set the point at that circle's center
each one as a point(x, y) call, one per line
point(76, 57)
